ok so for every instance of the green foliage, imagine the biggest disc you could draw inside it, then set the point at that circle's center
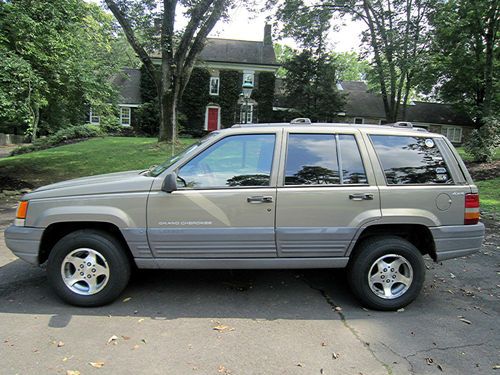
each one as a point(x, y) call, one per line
point(283, 54)
point(194, 101)
point(310, 86)
point(230, 89)
point(483, 142)
point(62, 136)
point(64, 51)
point(350, 66)
point(148, 115)
point(264, 95)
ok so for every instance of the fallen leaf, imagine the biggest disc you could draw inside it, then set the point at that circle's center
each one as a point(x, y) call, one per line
point(127, 299)
point(323, 344)
point(126, 337)
point(300, 365)
point(140, 320)
point(144, 341)
point(222, 328)
point(72, 372)
point(335, 355)
point(465, 321)
point(113, 339)
point(338, 308)
point(97, 364)
point(452, 275)
point(496, 367)
point(400, 310)
point(60, 344)
point(135, 347)
point(65, 359)
point(223, 370)
point(429, 361)
point(440, 367)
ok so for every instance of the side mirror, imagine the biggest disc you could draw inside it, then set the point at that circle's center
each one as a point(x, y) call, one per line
point(169, 183)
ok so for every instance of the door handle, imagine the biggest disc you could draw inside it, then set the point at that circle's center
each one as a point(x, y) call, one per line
point(361, 197)
point(260, 199)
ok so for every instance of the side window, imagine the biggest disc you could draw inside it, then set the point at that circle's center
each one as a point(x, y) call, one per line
point(353, 171)
point(411, 160)
point(311, 160)
point(239, 160)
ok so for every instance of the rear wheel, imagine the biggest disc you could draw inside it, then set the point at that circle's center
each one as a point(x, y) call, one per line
point(88, 268)
point(386, 273)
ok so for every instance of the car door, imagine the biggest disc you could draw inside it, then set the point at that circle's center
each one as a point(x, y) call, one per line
point(225, 203)
point(326, 191)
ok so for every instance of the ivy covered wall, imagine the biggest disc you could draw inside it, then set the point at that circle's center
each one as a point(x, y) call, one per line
point(196, 98)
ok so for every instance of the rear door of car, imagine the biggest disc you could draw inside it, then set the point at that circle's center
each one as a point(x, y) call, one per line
point(326, 191)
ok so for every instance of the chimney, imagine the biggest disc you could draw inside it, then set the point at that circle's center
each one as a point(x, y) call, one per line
point(268, 38)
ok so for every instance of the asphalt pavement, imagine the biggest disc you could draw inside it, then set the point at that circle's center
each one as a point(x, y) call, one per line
point(253, 322)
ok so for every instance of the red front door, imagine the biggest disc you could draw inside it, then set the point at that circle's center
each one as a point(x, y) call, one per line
point(213, 119)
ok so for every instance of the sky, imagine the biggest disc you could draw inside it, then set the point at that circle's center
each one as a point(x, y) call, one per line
point(246, 26)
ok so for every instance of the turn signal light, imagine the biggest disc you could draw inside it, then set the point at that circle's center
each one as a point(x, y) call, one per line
point(471, 214)
point(22, 210)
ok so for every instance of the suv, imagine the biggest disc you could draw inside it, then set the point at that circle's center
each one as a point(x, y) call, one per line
point(373, 199)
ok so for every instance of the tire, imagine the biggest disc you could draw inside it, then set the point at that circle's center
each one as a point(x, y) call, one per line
point(370, 269)
point(88, 268)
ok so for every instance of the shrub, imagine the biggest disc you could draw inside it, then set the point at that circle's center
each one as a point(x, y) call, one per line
point(482, 142)
point(62, 136)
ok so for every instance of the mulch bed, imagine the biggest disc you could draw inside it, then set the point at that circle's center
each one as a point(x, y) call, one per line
point(484, 171)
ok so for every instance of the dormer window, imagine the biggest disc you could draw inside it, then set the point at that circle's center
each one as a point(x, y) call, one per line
point(214, 85)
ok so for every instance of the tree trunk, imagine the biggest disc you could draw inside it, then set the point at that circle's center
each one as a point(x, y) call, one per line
point(168, 118)
point(35, 110)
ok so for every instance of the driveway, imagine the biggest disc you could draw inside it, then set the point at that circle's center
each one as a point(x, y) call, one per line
point(252, 322)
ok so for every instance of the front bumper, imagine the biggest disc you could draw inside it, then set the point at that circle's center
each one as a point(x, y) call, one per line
point(457, 240)
point(24, 242)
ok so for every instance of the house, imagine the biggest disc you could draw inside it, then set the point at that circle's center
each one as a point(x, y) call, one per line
point(364, 107)
point(215, 96)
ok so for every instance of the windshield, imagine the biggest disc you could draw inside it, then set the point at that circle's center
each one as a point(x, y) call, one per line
point(162, 167)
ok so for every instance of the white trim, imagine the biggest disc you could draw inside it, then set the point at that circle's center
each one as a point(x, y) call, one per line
point(358, 118)
point(230, 66)
point(242, 113)
point(129, 116)
point(129, 105)
point(205, 127)
point(217, 79)
point(90, 118)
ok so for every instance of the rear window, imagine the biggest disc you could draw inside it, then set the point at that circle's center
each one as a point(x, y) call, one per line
point(411, 160)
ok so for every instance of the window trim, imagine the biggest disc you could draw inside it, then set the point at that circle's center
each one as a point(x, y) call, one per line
point(336, 137)
point(359, 118)
point(217, 79)
point(251, 105)
point(445, 129)
point(129, 116)
point(98, 122)
point(273, 165)
point(403, 185)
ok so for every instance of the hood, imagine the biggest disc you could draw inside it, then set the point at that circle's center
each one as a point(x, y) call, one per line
point(121, 182)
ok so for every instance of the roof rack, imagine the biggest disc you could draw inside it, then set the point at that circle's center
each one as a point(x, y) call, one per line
point(301, 120)
point(401, 124)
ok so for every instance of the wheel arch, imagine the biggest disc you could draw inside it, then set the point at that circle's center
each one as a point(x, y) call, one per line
point(418, 235)
point(55, 231)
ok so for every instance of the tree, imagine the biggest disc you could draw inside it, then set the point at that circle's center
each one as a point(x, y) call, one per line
point(178, 50)
point(396, 38)
point(310, 87)
point(350, 66)
point(465, 64)
point(57, 62)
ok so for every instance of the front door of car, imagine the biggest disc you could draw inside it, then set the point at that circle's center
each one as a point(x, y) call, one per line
point(326, 192)
point(225, 203)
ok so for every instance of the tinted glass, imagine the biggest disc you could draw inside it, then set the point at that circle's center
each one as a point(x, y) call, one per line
point(311, 160)
point(353, 171)
point(240, 160)
point(411, 160)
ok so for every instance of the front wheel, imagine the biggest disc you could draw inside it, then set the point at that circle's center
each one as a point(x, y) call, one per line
point(88, 268)
point(386, 273)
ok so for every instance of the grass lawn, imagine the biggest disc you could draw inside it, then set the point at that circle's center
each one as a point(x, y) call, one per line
point(467, 157)
point(489, 195)
point(95, 156)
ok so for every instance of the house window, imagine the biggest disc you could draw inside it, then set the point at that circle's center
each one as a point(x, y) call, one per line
point(246, 111)
point(125, 116)
point(359, 120)
point(94, 118)
point(453, 133)
point(214, 85)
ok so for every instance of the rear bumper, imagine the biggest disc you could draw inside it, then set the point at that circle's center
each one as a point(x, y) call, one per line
point(457, 240)
point(24, 242)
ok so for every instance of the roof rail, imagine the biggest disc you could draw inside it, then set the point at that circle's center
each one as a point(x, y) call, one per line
point(401, 124)
point(301, 120)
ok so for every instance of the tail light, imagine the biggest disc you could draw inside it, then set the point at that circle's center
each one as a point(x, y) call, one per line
point(471, 214)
